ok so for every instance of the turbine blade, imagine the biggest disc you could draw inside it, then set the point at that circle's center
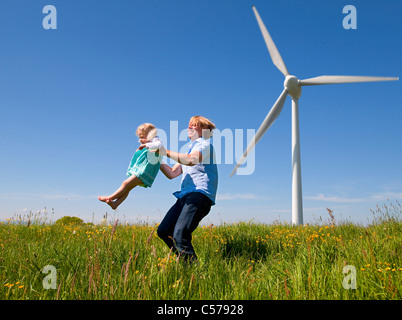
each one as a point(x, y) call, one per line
point(268, 121)
point(342, 79)
point(273, 51)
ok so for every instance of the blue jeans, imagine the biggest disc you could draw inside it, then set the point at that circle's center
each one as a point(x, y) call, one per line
point(181, 220)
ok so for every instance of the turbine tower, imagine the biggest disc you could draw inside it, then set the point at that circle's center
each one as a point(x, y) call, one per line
point(292, 87)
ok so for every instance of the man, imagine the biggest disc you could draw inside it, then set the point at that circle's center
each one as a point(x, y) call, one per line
point(198, 188)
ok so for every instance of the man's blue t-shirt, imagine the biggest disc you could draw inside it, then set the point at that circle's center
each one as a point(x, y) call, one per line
point(202, 177)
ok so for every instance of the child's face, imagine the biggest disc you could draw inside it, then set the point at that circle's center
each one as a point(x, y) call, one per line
point(143, 138)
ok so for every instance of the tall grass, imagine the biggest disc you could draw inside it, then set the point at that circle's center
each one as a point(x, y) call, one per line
point(236, 261)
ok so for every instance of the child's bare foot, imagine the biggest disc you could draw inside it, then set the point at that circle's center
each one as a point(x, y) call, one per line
point(113, 204)
point(103, 199)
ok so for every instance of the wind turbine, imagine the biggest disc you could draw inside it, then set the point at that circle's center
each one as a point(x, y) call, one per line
point(292, 87)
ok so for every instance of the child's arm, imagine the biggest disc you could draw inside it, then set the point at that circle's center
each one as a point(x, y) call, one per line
point(155, 144)
point(173, 172)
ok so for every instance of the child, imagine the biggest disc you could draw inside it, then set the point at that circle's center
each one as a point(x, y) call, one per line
point(143, 166)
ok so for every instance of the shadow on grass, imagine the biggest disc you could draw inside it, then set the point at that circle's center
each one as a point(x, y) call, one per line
point(247, 247)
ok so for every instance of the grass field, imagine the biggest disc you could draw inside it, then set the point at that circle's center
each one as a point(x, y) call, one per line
point(237, 261)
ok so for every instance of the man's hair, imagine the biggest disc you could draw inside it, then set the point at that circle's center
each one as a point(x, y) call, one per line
point(206, 125)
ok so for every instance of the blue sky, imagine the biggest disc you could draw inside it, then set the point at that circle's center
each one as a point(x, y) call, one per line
point(71, 99)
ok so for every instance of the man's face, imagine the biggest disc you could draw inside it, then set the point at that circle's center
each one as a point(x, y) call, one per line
point(194, 131)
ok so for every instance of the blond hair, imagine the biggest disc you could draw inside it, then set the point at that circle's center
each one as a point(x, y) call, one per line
point(146, 129)
point(206, 125)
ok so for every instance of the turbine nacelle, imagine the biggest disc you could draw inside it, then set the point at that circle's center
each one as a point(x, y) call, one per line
point(292, 86)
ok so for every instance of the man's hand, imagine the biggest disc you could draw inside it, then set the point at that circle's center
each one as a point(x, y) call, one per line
point(162, 151)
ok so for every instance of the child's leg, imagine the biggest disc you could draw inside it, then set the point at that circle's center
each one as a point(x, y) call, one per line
point(118, 201)
point(124, 189)
point(114, 204)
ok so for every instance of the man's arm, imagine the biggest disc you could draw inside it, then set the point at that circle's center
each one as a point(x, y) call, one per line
point(187, 159)
point(173, 172)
